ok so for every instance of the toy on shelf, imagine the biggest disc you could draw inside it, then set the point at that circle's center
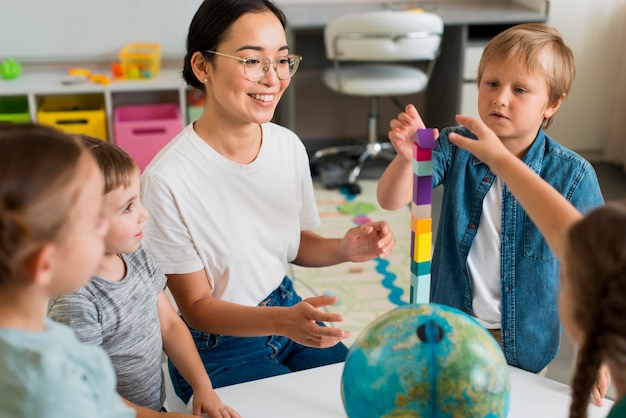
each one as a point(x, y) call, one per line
point(421, 215)
point(138, 61)
point(83, 75)
point(10, 69)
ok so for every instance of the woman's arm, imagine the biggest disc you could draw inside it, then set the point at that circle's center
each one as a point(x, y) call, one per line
point(181, 350)
point(205, 313)
point(360, 243)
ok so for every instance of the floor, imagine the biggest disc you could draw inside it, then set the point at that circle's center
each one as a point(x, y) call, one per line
point(612, 179)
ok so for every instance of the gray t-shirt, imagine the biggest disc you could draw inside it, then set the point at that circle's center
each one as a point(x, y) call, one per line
point(122, 318)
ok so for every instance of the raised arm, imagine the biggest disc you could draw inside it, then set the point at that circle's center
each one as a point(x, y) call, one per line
point(548, 209)
point(395, 188)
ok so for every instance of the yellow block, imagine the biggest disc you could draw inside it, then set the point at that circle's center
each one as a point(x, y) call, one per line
point(421, 247)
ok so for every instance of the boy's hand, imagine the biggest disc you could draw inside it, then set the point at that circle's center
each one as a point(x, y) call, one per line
point(403, 129)
point(206, 401)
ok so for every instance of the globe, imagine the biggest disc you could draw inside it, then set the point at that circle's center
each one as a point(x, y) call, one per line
point(425, 360)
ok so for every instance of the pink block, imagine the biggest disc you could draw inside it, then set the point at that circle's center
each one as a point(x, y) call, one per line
point(143, 130)
point(422, 154)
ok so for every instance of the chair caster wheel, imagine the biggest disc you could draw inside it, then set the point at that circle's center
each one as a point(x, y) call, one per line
point(350, 189)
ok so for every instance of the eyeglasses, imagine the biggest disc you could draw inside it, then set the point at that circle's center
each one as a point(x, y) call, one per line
point(256, 66)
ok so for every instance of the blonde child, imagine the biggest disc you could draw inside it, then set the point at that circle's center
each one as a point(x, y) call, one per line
point(51, 241)
point(489, 259)
point(124, 307)
point(592, 251)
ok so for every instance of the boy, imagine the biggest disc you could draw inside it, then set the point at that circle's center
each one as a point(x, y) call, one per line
point(489, 259)
point(124, 307)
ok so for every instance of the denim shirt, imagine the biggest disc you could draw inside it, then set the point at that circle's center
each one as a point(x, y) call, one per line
point(529, 272)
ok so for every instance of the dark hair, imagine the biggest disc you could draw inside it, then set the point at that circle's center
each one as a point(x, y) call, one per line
point(210, 24)
point(117, 166)
point(38, 189)
point(596, 270)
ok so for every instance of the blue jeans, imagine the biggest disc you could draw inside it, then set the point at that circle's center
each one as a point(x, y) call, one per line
point(231, 360)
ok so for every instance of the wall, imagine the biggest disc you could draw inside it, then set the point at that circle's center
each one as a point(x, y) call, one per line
point(71, 30)
point(594, 30)
point(64, 30)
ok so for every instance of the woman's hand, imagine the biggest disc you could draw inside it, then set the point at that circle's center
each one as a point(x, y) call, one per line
point(368, 241)
point(301, 323)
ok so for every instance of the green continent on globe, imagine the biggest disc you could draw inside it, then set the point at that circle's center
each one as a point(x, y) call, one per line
point(425, 360)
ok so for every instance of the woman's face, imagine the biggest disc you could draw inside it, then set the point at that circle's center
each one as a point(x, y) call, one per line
point(231, 95)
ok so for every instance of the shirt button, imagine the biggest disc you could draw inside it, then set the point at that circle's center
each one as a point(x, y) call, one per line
point(466, 310)
point(486, 179)
point(464, 272)
point(471, 226)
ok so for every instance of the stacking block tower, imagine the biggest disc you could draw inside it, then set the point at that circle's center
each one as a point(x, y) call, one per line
point(421, 215)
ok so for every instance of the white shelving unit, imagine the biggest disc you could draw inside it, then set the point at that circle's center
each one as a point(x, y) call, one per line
point(166, 87)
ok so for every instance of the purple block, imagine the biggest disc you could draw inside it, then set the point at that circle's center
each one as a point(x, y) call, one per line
point(426, 138)
point(423, 191)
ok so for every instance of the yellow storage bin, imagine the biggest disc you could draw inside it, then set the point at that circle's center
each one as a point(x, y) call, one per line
point(140, 61)
point(78, 114)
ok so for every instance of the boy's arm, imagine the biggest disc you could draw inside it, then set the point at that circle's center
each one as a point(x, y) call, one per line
point(548, 209)
point(395, 187)
point(181, 350)
point(141, 412)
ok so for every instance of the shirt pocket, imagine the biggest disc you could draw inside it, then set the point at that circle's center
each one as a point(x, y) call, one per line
point(535, 246)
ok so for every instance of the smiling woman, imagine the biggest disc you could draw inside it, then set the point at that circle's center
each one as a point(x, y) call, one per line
point(232, 203)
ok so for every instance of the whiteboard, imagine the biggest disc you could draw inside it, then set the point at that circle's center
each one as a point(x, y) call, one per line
point(91, 30)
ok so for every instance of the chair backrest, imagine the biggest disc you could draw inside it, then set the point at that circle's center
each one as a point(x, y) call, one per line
point(384, 36)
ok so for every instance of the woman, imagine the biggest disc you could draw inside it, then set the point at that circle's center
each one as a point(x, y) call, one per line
point(232, 204)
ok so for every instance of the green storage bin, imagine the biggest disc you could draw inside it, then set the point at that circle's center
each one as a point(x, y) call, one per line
point(14, 109)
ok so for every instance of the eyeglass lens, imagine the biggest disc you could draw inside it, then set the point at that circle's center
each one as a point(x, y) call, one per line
point(257, 66)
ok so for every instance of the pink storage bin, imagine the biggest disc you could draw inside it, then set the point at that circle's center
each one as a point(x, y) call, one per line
point(143, 130)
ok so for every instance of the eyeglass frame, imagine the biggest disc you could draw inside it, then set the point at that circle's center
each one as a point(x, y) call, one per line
point(243, 61)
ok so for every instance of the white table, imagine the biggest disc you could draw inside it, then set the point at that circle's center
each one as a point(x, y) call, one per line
point(315, 393)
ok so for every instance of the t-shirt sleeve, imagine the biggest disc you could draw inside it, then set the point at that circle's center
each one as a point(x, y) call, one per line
point(81, 314)
point(152, 270)
point(167, 236)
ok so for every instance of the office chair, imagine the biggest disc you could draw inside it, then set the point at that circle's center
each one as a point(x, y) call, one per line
point(377, 54)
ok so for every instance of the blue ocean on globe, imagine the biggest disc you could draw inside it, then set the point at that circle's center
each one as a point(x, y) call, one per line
point(425, 360)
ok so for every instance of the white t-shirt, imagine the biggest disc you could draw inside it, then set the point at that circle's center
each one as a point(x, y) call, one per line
point(241, 223)
point(483, 261)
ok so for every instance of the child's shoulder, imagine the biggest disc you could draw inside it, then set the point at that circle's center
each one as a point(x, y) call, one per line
point(554, 149)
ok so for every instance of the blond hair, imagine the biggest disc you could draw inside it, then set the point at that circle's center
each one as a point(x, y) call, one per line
point(540, 49)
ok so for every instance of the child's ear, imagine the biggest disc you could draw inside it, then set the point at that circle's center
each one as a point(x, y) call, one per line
point(39, 265)
point(551, 110)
